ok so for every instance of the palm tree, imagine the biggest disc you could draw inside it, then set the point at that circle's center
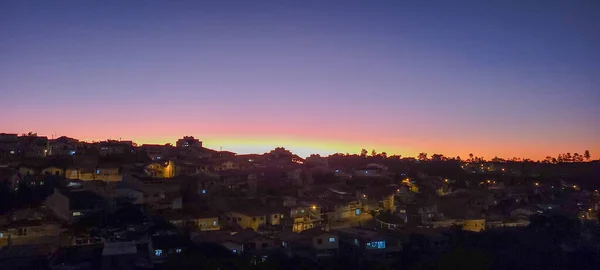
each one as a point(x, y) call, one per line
point(471, 157)
point(587, 155)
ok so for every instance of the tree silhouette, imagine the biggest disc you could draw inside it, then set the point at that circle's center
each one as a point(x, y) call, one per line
point(470, 156)
point(422, 156)
point(363, 152)
point(384, 154)
point(373, 153)
point(587, 155)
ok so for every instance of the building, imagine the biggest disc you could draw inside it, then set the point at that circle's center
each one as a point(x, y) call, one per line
point(63, 146)
point(368, 244)
point(189, 142)
point(390, 221)
point(161, 169)
point(313, 243)
point(71, 206)
point(198, 220)
point(29, 232)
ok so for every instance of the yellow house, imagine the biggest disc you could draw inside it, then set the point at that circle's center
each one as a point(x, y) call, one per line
point(53, 171)
point(84, 174)
point(108, 174)
point(161, 169)
point(474, 225)
point(200, 222)
point(252, 221)
point(28, 232)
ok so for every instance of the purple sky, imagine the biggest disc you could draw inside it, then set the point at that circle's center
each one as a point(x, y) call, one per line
point(515, 78)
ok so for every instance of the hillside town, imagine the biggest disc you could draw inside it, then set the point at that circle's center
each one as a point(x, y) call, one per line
point(69, 204)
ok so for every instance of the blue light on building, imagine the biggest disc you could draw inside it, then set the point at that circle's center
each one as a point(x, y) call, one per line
point(357, 212)
point(376, 245)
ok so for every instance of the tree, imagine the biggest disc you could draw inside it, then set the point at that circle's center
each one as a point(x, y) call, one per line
point(437, 157)
point(373, 153)
point(554, 161)
point(548, 159)
point(422, 156)
point(587, 155)
point(383, 154)
point(471, 157)
point(458, 158)
point(363, 152)
point(568, 158)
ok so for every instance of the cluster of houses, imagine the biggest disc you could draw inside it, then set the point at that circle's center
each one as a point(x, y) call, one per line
point(248, 204)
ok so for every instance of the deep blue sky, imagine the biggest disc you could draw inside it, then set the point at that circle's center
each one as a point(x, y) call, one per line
point(507, 78)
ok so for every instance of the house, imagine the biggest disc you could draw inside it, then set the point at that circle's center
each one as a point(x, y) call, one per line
point(9, 144)
point(189, 142)
point(114, 147)
point(108, 173)
point(245, 241)
point(70, 206)
point(390, 221)
point(200, 220)
point(26, 256)
point(53, 170)
point(435, 185)
point(377, 199)
point(223, 238)
point(316, 161)
point(304, 216)
point(368, 244)
point(313, 243)
point(225, 165)
point(253, 217)
point(162, 169)
point(10, 178)
point(371, 170)
point(162, 244)
point(157, 152)
point(29, 232)
point(254, 242)
point(63, 146)
point(470, 224)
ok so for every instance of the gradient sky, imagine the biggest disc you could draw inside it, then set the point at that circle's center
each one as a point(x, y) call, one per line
point(493, 78)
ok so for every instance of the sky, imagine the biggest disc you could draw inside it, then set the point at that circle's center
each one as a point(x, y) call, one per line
point(492, 78)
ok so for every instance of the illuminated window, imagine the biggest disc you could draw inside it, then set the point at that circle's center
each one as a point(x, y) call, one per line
point(356, 242)
point(234, 251)
point(178, 250)
point(158, 252)
point(1, 235)
point(204, 191)
point(214, 223)
point(376, 245)
point(357, 211)
point(72, 153)
point(98, 171)
point(76, 214)
point(331, 239)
